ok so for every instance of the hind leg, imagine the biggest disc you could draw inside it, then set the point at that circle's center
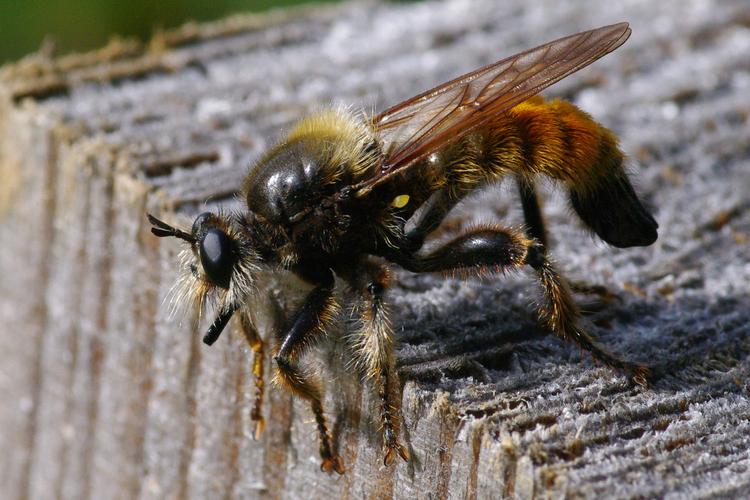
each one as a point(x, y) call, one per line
point(494, 249)
point(535, 228)
point(433, 213)
point(532, 212)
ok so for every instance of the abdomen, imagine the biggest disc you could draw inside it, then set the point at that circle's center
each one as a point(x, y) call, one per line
point(559, 141)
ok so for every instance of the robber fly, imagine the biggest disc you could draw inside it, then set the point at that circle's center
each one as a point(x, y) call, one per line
point(335, 196)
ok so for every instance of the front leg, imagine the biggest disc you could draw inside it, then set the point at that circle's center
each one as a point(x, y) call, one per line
point(256, 344)
point(373, 343)
point(309, 323)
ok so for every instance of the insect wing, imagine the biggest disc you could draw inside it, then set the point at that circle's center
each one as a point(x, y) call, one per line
point(415, 128)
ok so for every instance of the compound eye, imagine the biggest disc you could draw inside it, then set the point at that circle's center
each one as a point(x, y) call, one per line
point(217, 257)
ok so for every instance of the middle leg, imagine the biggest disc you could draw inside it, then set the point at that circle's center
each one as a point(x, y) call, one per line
point(373, 344)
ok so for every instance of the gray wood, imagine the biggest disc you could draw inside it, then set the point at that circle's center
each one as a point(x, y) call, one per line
point(106, 395)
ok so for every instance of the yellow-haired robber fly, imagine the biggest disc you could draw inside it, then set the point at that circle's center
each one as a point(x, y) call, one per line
point(334, 198)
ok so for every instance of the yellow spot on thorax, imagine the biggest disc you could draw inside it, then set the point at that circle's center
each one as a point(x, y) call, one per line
point(400, 201)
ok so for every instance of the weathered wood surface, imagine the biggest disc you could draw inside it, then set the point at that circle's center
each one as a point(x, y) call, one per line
point(105, 396)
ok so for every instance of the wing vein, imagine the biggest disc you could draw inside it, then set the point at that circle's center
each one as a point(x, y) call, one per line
point(417, 127)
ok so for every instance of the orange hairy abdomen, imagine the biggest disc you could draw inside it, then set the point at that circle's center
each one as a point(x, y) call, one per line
point(558, 140)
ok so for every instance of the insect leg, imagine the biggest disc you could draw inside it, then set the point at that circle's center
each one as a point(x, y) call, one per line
point(442, 202)
point(532, 215)
point(434, 211)
point(256, 344)
point(532, 212)
point(496, 249)
point(307, 324)
point(374, 349)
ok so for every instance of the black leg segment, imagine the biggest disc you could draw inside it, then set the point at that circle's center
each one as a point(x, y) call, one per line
point(487, 248)
point(308, 324)
point(433, 212)
point(497, 249)
point(532, 212)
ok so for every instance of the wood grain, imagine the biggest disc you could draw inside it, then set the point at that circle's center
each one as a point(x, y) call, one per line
point(107, 396)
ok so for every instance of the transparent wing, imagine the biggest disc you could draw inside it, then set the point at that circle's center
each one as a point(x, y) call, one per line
point(425, 123)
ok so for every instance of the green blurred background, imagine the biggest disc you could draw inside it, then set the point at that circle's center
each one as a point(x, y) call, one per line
point(75, 25)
